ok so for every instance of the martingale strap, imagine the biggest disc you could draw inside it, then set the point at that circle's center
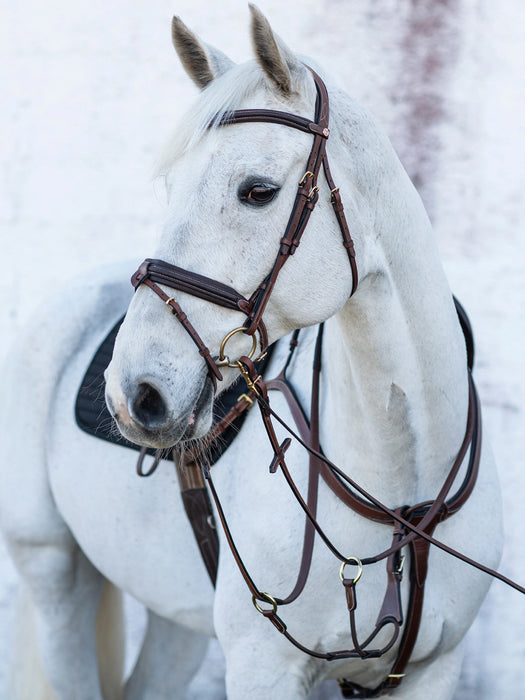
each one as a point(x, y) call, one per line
point(413, 526)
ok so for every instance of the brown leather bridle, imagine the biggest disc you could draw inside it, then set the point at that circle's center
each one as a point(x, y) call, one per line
point(413, 525)
point(154, 272)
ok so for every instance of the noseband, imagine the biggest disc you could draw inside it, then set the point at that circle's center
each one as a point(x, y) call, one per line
point(155, 272)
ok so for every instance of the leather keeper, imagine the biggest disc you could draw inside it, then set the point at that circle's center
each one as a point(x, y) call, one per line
point(420, 548)
point(275, 620)
point(351, 600)
point(349, 245)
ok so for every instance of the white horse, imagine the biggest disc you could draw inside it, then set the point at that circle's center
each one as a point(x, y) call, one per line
point(394, 396)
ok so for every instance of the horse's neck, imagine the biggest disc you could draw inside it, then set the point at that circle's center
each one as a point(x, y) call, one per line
point(395, 371)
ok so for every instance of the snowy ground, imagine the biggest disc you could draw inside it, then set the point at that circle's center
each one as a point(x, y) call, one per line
point(91, 90)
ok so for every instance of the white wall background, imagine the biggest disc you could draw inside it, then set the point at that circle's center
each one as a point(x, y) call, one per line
point(91, 90)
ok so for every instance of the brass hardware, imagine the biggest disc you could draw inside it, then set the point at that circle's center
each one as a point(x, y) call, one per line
point(305, 177)
point(399, 569)
point(168, 302)
point(269, 599)
point(396, 675)
point(313, 192)
point(354, 561)
point(224, 360)
point(247, 378)
point(246, 398)
point(332, 192)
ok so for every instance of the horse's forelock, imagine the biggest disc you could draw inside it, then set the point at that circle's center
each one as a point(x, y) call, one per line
point(222, 96)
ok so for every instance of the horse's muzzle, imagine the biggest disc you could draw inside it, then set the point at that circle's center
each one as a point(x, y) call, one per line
point(145, 416)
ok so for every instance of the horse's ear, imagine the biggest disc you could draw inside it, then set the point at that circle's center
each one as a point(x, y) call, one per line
point(203, 63)
point(274, 57)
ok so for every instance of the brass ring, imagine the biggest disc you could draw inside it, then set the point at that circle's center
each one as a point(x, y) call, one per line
point(224, 360)
point(356, 562)
point(270, 600)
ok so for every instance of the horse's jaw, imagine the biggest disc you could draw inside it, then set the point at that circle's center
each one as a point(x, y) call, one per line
point(145, 416)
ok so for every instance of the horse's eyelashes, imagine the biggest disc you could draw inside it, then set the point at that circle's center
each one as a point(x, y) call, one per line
point(257, 194)
point(261, 195)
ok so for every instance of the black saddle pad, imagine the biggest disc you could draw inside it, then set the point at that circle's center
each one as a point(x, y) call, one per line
point(93, 417)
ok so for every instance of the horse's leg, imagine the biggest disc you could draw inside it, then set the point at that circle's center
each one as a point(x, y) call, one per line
point(169, 658)
point(25, 675)
point(60, 613)
point(64, 589)
point(110, 640)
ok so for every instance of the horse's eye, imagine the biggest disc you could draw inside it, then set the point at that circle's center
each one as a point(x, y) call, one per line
point(257, 194)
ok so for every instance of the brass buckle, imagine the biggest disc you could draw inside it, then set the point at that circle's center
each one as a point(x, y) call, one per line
point(250, 384)
point(168, 304)
point(399, 569)
point(305, 177)
point(332, 193)
point(313, 192)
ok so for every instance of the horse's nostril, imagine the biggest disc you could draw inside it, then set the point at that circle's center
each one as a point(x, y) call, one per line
point(149, 407)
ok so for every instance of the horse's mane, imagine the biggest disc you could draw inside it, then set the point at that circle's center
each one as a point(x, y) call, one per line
point(223, 95)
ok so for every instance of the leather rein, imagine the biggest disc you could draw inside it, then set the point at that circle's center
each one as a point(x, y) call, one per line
point(412, 525)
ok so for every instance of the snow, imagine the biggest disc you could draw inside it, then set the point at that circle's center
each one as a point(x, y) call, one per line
point(91, 92)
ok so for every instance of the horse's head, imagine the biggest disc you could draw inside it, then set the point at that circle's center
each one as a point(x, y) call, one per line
point(231, 190)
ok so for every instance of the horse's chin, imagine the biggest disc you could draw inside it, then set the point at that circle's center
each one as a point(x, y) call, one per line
point(201, 417)
point(192, 425)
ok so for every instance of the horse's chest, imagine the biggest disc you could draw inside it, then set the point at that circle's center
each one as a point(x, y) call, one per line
point(134, 530)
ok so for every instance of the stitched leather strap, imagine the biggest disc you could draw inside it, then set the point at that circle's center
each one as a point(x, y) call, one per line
point(190, 282)
point(417, 524)
point(176, 310)
point(199, 511)
point(272, 116)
